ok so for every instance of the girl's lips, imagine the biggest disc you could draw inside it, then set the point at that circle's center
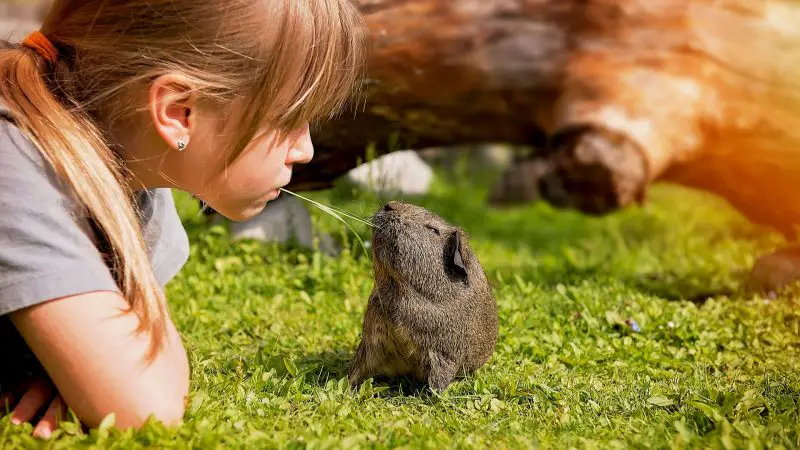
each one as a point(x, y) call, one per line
point(275, 193)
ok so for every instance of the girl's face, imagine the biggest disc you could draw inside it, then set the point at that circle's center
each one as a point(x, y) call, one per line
point(241, 188)
point(238, 189)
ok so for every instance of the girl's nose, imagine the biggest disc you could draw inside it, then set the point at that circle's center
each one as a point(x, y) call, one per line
point(302, 149)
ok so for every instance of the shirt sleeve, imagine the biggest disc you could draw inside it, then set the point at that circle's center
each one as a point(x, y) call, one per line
point(47, 248)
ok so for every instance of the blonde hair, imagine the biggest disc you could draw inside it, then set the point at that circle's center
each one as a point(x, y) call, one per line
point(292, 61)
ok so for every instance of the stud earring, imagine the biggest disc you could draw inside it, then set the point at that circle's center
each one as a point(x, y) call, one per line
point(181, 145)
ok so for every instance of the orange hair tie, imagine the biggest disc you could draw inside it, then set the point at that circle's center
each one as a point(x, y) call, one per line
point(41, 45)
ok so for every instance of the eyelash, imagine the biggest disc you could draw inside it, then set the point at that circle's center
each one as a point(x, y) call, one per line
point(435, 230)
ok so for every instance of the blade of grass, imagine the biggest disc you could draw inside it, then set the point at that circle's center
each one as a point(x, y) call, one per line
point(339, 211)
point(333, 213)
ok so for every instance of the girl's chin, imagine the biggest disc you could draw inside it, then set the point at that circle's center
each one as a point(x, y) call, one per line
point(273, 194)
point(265, 198)
point(258, 206)
point(243, 214)
point(249, 211)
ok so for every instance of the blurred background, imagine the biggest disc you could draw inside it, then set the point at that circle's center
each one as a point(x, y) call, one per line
point(578, 105)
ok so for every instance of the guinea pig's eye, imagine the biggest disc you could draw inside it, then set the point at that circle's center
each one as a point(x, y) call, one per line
point(433, 228)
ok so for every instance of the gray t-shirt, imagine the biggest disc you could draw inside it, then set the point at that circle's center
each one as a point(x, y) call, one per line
point(47, 247)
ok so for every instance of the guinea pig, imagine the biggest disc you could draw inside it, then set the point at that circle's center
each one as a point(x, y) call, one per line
point(431, 314)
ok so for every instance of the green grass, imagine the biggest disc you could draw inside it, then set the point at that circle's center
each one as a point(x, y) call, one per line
point(270, 331)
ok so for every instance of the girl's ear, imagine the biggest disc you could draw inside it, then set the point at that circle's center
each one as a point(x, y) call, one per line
point(172, 108)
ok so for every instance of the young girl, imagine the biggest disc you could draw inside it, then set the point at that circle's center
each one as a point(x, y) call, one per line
point(104, 110)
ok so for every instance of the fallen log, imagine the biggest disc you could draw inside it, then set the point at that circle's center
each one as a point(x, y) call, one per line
point(613, 95)
point(445, 73)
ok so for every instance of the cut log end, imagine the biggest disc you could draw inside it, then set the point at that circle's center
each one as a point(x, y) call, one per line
point(595, 171)
point(588, 168)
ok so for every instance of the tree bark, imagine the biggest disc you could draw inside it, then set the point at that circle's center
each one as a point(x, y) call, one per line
point(614, 95)
point(443, 73)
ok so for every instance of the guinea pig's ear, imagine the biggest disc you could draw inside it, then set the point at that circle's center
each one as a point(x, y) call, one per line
point(458, 260)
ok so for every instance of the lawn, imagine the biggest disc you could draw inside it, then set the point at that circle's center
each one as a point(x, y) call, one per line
point(629, 331)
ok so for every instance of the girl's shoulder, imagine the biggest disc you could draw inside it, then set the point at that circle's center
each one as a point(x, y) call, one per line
point(47, 247)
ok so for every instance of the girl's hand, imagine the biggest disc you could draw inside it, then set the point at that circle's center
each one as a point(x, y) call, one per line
point(39, 394)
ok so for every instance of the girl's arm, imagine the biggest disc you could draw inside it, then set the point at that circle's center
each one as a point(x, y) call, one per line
point(61, 296)
point(97, 362)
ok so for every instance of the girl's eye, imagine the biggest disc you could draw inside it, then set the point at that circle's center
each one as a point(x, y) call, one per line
point(432, 228)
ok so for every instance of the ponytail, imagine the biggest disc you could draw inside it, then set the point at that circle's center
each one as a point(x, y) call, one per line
point(36, 91)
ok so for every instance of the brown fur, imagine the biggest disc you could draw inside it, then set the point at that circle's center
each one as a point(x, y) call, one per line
point(427, 318)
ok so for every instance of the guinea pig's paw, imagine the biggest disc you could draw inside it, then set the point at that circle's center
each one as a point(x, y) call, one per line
point(354, 380)
point(443, 372)
point(359, 369)
point(356, 375)
point(777, 270)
